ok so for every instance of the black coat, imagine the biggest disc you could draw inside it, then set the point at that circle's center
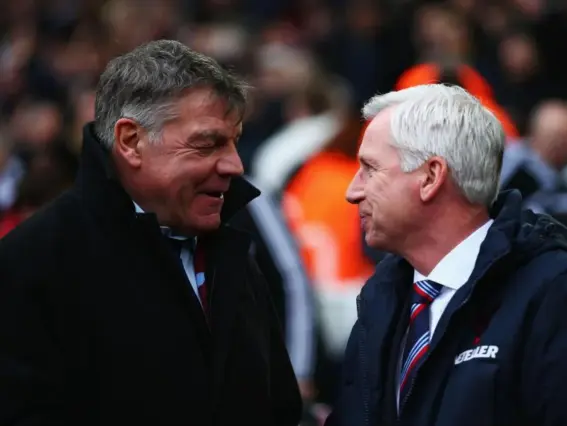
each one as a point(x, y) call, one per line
point(498, 355)
point(98, 325)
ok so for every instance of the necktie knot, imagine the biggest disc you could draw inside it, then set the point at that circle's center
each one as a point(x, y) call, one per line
point(425, 292)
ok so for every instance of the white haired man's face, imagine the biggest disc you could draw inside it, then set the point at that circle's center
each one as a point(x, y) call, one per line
point(387, 198)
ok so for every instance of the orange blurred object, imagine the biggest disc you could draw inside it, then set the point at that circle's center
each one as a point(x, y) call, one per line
point(326, 225)
point(470, 80)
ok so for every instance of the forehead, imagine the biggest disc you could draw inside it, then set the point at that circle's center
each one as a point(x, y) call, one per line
point(201, 109)
point(376, 138)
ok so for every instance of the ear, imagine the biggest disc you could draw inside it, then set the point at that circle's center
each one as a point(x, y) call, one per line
point(435, 174)
point(128, 141)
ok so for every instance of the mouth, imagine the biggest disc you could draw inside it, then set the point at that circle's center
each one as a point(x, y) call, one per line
point(215, 194)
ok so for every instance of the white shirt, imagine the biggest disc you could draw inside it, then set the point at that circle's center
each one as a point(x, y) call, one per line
point(452, 272)
point(185, 255)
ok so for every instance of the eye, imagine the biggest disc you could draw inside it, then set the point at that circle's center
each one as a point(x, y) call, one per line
point(208, 150)
point(207, 145)
point(368, 170)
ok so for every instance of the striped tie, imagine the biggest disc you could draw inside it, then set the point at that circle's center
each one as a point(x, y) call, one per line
point(198, 252)
point(199, 263)
point(417, 343)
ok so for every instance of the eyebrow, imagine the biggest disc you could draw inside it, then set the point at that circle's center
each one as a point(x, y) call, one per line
point(212, 134)
point(207, 134)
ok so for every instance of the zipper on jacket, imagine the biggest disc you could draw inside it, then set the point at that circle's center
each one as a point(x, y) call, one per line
point(403, 403)
point(362, 352)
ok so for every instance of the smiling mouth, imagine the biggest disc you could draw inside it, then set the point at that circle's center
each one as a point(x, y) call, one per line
point(219, 195)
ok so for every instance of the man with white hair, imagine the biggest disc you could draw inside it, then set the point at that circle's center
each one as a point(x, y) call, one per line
point(463, 323)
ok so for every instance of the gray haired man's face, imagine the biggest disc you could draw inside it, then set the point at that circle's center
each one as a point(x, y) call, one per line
point(183, 177)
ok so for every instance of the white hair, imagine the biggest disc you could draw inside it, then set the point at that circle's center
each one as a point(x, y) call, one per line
point(446, 121)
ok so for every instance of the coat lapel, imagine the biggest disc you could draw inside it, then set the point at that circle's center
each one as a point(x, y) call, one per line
point(174, 275)
point(226, 277)
point(384, 303)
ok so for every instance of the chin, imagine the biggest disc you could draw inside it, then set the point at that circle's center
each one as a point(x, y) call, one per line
point(208, 224)
point(376, 242)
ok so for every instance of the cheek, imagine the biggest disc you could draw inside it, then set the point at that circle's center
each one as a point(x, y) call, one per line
point(185, 182)
point(377, 191)
point(185, 193)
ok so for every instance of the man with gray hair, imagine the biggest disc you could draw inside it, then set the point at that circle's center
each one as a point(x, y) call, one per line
point(463, 322)
point(129, 300)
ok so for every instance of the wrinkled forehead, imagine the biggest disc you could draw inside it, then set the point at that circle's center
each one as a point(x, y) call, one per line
point(203, 110)
point(376, 131)
point(376, 145)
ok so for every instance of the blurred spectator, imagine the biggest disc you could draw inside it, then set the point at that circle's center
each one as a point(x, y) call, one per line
point(441, 33)
point(81, 112)
point(313, 115)
point(35, 125)
point(524, 83)
point(534, 166)
point(281, 70)
point(460, 75)
point(445, 48)
point(46, 177)
point(11, 171)
point(328, 230)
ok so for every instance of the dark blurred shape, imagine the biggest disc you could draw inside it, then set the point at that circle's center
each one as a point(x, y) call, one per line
point(525, 82)
point(48, 174)
point(534, 165)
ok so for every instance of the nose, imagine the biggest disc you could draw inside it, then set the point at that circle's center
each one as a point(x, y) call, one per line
point(355, 191)
point(230, 164)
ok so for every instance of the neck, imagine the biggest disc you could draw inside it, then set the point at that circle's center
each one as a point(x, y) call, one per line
point(441, 235)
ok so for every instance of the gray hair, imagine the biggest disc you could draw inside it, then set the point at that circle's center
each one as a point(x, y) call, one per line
point(145, 84)
point(446, 121)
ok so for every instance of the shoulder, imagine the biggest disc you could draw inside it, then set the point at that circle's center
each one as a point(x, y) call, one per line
point(545, 265)
point(538, 284)
point(551, 269)
point(545, 310)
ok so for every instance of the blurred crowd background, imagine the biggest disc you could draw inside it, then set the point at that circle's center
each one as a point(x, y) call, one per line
point(312, 64)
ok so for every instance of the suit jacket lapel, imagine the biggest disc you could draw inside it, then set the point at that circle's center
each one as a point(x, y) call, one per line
point(175, 277)
point(226, 260)
point(386, 307)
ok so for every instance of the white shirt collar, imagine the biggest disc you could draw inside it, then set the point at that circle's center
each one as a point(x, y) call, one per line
point(455, 269)
point(139, 210)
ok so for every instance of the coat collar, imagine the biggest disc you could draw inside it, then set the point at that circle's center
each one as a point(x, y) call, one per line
point(98, 184)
